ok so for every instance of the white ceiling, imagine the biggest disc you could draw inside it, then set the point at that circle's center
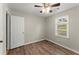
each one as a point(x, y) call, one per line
point(29, 8)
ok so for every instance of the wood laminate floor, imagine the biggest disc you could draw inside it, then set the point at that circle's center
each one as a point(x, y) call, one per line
point(41, 48)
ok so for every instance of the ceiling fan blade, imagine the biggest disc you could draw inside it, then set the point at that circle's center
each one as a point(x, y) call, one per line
point(37, 6)
point(55, 5)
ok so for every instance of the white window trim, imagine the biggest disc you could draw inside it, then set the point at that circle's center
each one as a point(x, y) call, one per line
point(56, 23)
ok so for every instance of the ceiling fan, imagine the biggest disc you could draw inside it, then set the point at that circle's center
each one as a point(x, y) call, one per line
point(46, 7)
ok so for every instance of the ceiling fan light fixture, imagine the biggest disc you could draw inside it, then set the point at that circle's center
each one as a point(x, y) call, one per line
point(46, 9)
point(43, 9)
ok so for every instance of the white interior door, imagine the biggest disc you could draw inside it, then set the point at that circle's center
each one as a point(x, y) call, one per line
point(17, 31)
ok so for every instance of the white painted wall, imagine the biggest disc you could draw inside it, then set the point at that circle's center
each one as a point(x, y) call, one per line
point(1, 22)
point(33, 27)
point(73, 41)
point(3, 28)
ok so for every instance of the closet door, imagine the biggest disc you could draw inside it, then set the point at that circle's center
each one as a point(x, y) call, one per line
point(17, 31)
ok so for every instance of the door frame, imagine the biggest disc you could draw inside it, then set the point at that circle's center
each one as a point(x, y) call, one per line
point(8, 34)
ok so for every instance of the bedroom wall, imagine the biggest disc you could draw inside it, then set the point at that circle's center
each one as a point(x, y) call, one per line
point(3, 9)
point(33, 27)
point(73, 41)
point(1, 28)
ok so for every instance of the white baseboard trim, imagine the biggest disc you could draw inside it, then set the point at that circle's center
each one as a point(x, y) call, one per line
point(34, 41)
point(26, 43)
point(64, 46)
